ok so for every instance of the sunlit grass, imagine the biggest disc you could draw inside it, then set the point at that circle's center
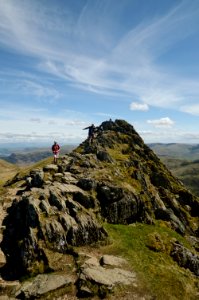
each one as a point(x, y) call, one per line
point(157, 271)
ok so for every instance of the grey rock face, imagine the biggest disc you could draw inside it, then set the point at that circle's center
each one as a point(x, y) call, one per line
point(117, 206)
point(37, 178)
point(185, 258)
point(54, 220)
point(87, 184)
point(168, 215)
point(45, 285)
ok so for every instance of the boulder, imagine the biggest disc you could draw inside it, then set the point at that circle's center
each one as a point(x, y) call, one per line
point(104, 156)
point(87, 184)
point(46, 285)
point(50, 168)
point(117, 205)
point(111, 260)
point(97, 280)
point(185, 258)
point(37, 178)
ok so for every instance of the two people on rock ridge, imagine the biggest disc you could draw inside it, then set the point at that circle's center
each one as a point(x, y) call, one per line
point(92, 131)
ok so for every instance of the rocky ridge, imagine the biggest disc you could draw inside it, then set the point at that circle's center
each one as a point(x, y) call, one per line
point(117, 179)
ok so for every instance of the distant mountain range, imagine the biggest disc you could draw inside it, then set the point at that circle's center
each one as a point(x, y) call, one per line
point(176, 150)
point(28, 156)
point(182, 160)
point(31, 155)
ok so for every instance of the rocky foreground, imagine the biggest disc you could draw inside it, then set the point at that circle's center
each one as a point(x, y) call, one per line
point(58, 209)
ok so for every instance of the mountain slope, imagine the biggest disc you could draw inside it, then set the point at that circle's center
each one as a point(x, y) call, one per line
point(7, 171)
point(136, 168)
point(88, 199)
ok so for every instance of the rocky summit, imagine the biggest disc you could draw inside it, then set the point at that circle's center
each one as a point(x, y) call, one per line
point(57, 209)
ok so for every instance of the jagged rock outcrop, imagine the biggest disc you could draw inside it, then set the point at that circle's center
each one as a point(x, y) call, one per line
point(48, 218)
point(117, 179)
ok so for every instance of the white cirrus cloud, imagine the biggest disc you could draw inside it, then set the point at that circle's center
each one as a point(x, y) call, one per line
point(192, 109)
point(162, 122)
point(139, 106)
point(82, 50)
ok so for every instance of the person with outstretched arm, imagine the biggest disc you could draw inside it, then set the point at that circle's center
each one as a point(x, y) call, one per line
point(91, 131)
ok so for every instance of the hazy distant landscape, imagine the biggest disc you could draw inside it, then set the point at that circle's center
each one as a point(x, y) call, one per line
point(18, 154)
point(29, 155)
point(182, 160)
point(176, 150)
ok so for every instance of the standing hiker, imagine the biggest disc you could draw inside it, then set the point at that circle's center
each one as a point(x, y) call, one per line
point(91, 131)
point(55, 150)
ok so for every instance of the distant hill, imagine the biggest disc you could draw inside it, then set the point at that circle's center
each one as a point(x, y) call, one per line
point(176, 150)
point(7, 170)
point(28, 156)
point(186, 171)
point(182, 160)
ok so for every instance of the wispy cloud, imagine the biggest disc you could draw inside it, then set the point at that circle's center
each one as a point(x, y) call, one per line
point(192, 109)
point(163, 122)
point(78, 48)
point(175, 136)
point(40, 91)
point(27, 84)
point(139, 106)
point(75, 123)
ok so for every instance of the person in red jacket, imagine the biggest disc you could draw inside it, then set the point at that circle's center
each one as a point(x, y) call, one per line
point(55, 150)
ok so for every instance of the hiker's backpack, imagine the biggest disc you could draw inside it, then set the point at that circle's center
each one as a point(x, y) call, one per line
point(55, 148)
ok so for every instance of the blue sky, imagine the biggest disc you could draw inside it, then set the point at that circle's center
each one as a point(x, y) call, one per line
point(68, 63)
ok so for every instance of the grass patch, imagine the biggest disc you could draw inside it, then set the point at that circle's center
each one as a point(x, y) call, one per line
point(157, 272)
point(117, 153)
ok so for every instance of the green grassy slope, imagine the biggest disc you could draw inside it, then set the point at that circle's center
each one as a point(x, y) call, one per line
point(158, 274)
point(7, 170)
